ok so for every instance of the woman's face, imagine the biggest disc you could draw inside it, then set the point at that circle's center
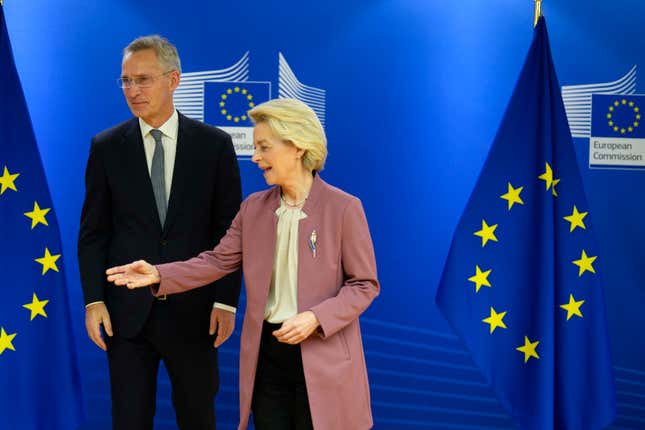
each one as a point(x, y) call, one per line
point(279, 160)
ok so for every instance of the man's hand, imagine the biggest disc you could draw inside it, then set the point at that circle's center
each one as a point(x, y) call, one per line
point(222, 322)
point(95, 315)
point(297, 328)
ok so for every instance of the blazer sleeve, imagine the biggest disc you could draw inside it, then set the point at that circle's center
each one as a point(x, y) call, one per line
point(207, 267)
point(360, 285)
point(228, 195)
point(95, 228)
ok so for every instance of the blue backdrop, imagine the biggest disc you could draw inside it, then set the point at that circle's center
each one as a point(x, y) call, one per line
point(412, 93)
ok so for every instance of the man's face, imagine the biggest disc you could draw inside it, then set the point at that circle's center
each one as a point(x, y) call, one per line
point(151, 101)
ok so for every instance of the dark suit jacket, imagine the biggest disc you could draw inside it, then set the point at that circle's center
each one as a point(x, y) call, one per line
point(120, 224)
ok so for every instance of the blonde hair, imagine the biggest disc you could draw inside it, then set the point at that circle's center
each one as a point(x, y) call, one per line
point(294, 121)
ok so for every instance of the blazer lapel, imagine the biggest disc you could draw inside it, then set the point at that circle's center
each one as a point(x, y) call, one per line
point(265, 228)
point(137, 168)
point(308, 225)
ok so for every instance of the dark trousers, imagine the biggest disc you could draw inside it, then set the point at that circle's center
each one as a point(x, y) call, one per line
point(280, 395)
point(192, 368)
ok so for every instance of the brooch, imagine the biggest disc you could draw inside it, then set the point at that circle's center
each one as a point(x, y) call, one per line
point(312, 242)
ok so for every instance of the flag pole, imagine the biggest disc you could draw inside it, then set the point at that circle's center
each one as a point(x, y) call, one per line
point(537, 12)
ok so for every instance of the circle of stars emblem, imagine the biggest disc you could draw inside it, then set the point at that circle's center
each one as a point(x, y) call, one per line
point(232, 94)
point(625, 109)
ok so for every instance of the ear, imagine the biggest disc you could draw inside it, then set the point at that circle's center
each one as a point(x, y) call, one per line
point(299, 152)
point(174, 79)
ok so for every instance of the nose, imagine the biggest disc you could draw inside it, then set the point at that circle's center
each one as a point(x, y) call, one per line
point(132, 91)
point(256, 156)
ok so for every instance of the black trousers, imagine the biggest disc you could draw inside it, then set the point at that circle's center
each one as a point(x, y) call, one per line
point(280, 399)
point(191, 363)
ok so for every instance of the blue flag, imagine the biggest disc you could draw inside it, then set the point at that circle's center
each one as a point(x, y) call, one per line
point(521, 285)
point(40, 384)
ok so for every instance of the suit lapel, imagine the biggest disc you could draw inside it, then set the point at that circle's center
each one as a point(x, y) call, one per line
point(137, 168)
point(180, 172)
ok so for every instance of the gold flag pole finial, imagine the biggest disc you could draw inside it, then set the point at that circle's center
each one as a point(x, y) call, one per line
point(537, 12)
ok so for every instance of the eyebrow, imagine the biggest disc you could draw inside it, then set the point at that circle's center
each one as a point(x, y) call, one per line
point(135, 76)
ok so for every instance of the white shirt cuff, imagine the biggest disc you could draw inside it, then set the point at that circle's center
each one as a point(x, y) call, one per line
point(93, 303)
point(224, 307)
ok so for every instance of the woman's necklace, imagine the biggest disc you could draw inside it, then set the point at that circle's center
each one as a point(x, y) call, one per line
point(292, 205)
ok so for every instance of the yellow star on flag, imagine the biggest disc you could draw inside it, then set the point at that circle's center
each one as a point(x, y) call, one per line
point(48, 261)
point(486, 233)
point(553, 191)
point(547, 176)
point(584, 263)
point(6, 181)
point(37, 307)
point(549, 180)
point(573, 307)
point(495, 320)
point(37, 215)
point(480, 278)
point(576, 219)
point(513, 196)
point(529, 349)
point(5, 340)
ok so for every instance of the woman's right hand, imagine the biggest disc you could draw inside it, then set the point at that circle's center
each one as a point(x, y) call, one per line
point(134, 275)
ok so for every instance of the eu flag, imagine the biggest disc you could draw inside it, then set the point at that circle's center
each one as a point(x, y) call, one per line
point(521, 285)
point(40, 384)
point(618, 116)
point(226, 103)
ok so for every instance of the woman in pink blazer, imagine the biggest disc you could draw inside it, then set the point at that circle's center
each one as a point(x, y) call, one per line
point(309, 268)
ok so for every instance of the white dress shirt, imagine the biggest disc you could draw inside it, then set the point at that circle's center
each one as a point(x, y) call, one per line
point(169, 131)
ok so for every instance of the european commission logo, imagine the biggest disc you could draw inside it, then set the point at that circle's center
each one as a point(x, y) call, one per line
point(608, 116)
point(617, 133)
point(223, 98)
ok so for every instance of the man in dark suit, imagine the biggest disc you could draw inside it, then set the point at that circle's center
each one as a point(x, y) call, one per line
point(160, 187)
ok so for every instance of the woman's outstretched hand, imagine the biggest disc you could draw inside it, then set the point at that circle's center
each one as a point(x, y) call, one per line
point(134, 275)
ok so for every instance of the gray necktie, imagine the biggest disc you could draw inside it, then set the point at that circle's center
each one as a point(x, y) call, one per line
point(158, 177)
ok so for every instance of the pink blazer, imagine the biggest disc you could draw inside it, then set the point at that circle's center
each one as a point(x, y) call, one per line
point(337, 284)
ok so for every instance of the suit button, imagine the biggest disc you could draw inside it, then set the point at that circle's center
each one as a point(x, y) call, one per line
point(164, 242)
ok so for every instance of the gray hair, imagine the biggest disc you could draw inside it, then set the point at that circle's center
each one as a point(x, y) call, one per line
point(166, 52)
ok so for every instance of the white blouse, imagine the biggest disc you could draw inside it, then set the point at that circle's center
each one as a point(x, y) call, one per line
point(282, 302)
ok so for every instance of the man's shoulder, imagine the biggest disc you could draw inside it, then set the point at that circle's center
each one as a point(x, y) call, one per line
point(199, 128)
point(115, 132)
